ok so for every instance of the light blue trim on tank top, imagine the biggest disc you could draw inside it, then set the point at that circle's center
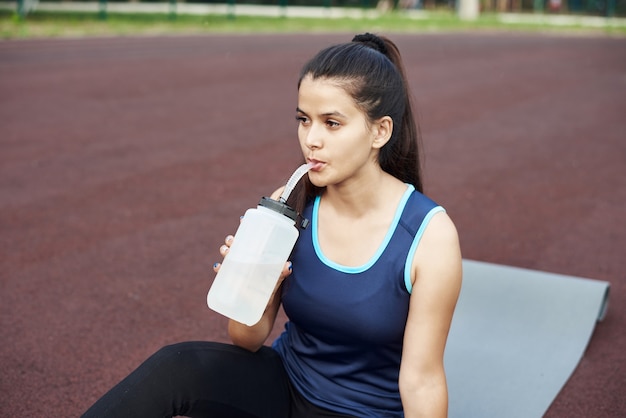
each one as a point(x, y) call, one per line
point(381, 248)
point(418, 236)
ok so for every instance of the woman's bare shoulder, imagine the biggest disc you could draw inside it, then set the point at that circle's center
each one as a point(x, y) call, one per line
point(439, 249)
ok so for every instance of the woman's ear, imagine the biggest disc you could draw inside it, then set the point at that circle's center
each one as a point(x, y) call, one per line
point(382, 130)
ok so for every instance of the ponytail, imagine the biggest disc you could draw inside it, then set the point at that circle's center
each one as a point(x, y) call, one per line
point(402, 157)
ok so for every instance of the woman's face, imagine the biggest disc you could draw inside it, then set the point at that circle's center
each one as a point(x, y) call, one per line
point(335, 135)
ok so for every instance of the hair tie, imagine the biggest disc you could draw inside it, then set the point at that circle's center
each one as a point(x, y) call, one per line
point(372, 41)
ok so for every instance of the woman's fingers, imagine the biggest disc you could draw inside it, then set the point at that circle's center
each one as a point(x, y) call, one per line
point(228, 241)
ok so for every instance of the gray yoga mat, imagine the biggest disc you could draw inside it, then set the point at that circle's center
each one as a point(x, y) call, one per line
point(516, 337)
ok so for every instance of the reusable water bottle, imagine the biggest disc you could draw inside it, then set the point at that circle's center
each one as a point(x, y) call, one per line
point(249, 273)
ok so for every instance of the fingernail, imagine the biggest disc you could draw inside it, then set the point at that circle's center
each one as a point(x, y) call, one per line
point(215, 265)
point(229, 238)
point(290, 266)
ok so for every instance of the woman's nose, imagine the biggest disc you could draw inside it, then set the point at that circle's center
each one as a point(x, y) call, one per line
point(313, 136)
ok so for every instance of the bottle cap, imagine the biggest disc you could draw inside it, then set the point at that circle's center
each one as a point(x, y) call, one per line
point(279, 207)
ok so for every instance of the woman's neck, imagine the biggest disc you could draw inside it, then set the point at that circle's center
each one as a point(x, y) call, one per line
point(364, 196)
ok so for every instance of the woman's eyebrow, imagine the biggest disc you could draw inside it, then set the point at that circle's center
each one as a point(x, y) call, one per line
point(333, 113)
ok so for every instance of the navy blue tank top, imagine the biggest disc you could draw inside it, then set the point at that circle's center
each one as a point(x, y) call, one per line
point(342, 344)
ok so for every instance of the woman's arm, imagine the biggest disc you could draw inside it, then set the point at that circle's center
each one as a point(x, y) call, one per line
point(253, 337)
point(436, 277)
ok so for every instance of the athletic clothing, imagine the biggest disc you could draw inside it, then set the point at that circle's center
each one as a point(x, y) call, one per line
point(339, 356)
point(342, 345)
point(207, 379)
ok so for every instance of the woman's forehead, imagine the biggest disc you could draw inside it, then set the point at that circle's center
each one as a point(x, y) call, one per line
point(315, 92)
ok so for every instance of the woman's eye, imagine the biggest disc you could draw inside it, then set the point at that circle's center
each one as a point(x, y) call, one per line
point(301, 119)
point(332, 123)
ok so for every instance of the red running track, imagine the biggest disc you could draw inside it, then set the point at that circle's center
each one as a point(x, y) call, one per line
point(125, 161)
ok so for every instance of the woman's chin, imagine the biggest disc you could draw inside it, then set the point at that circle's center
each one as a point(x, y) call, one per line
point(316, 180)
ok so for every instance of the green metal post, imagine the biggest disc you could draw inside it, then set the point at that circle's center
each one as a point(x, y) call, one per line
point(20, 9)
point(283, 8)
point(231, 9)
point(538, 6)
point(172, 14)
point(610, 8)
point(102, 9)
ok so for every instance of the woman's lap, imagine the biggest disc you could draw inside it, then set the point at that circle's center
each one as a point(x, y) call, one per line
point(201, 379)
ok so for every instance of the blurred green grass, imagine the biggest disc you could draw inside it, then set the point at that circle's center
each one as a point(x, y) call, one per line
point(46, 24)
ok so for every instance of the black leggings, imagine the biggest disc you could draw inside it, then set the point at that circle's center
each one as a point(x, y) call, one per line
point(207, 379)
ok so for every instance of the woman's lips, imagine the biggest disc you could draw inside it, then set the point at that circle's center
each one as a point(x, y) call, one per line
point(316, 165)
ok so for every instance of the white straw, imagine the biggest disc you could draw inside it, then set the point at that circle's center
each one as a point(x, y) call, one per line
point(293, 180)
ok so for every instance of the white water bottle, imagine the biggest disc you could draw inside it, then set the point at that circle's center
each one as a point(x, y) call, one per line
point(247, 278)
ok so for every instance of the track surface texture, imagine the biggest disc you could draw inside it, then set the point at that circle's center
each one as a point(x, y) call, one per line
point(125, 162)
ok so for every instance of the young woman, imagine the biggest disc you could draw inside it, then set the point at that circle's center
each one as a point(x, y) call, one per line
point(371, 286)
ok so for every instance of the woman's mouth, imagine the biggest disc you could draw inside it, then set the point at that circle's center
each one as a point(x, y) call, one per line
point(315, 165)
